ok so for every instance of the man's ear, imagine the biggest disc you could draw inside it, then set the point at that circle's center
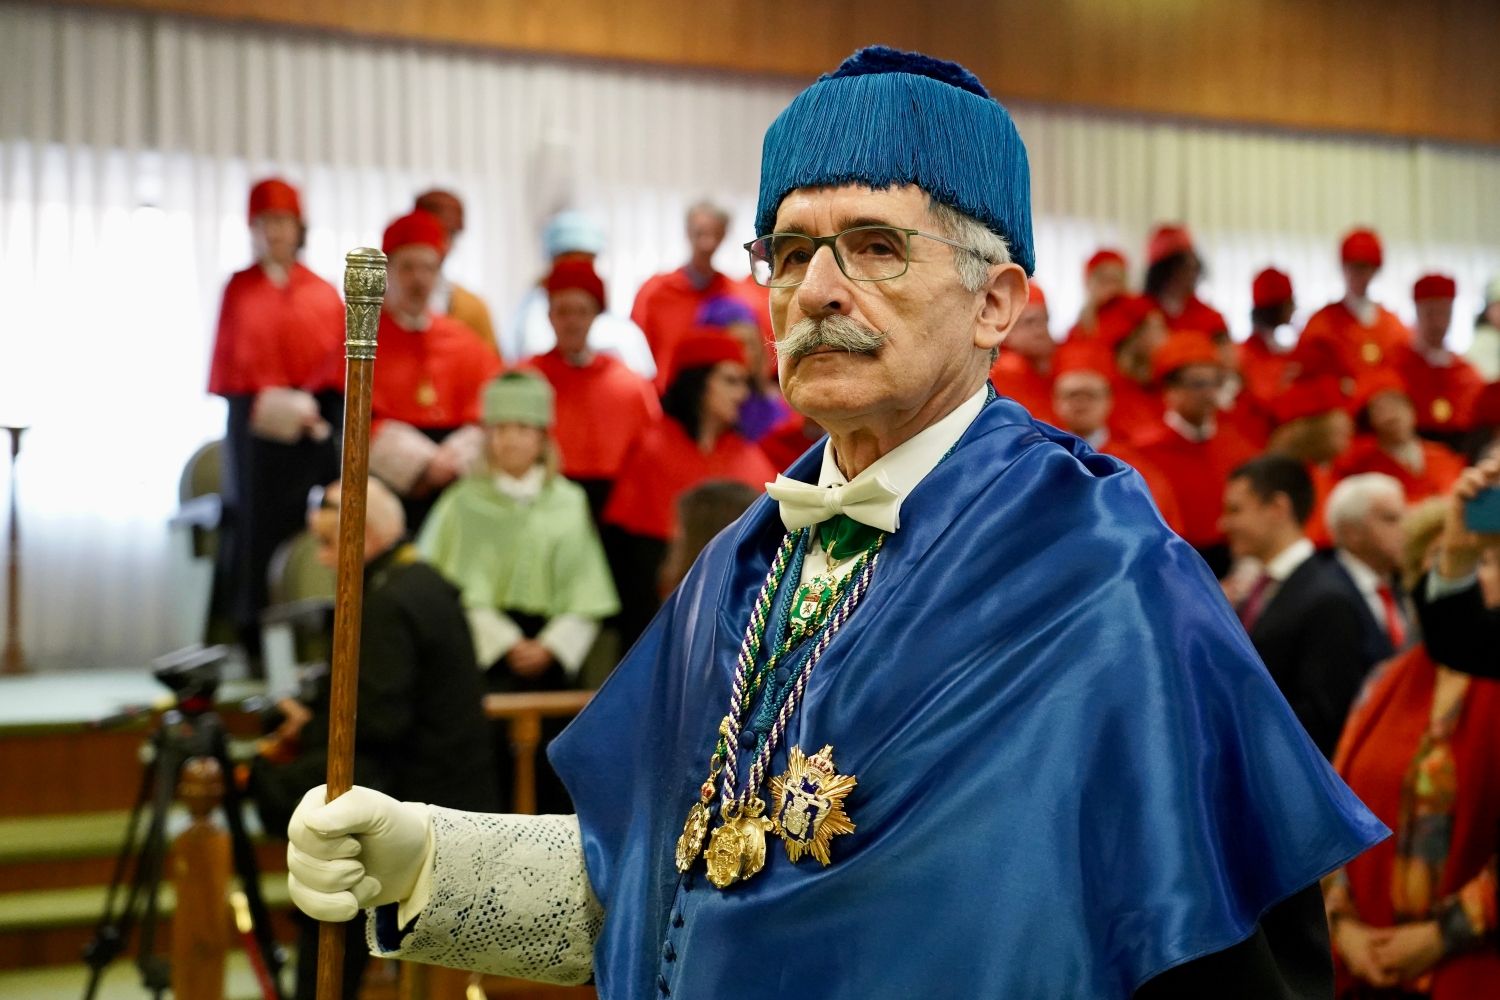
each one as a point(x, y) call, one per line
point(1004, 299)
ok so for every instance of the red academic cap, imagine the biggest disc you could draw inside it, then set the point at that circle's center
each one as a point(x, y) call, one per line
point(1322, 383)
point(576, 274)
point(274, 195)
point(1361, 246)
point(1166, 241)
point(1107, 255)
point(1120, 316)
point(703, 348)
point(1034, 296)
point(415, 227)
point(1434, 286)
point(1271, 288)
point(1180, 349)
point(1083, 356)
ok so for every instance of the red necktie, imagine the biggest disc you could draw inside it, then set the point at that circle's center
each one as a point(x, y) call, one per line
point(1254, 602)
point(1393, 626)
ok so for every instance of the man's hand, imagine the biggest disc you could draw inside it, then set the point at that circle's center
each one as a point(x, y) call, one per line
point(1459, 552)
point(362, 849)
point(1356, 942)
point(528, 658)
point(1409, 950)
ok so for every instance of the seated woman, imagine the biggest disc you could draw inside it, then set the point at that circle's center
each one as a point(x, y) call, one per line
point(1415, 915)
point(517, 540)
point(696, 439)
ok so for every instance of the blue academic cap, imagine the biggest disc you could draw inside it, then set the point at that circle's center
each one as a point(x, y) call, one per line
point(887, 117)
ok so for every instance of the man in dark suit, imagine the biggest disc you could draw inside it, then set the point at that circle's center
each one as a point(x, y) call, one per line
point(1366, 516)
point(1308, 625)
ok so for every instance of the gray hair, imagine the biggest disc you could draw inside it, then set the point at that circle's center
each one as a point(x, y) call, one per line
point(983, 248)
point(1351, 499)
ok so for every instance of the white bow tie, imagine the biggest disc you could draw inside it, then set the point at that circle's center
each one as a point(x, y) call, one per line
point(873, 501)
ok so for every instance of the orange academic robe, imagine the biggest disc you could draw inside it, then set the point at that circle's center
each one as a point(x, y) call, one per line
point(1015, 377)
point(1443, 395)
point(1440, 467)
point(601, 407)
point(272, 336)
point(667, 304)
point(1361, 349)
point(665, 463)
point(1198, 472)
point(1137, 410)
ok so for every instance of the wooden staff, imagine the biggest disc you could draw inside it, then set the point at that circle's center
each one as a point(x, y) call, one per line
point(364, 290)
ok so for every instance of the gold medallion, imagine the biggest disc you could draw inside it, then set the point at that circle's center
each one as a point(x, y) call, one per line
point(1442, 410)
point(737, 850)
point(693, 832)
point(427, 394)
point(808, 804)
point(1371, 352)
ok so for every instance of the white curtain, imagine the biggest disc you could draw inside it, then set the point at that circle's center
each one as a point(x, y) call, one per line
point(128, 143)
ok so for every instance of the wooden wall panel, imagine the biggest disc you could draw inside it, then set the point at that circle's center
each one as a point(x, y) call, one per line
point(1385, 66)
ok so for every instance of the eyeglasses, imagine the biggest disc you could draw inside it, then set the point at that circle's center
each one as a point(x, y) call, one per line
point(863, 253)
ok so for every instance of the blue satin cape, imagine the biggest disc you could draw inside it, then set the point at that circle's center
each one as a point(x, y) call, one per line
point(1074, 772)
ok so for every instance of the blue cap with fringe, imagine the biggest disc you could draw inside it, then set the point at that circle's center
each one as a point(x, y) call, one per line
point(887, 117)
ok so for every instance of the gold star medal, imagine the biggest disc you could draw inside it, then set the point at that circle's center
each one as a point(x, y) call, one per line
point(808, 803)
point(1442, 410)
point(737, 850)
point(427, 394)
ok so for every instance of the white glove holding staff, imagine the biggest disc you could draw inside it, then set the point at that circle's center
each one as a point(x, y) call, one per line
point(362, 849)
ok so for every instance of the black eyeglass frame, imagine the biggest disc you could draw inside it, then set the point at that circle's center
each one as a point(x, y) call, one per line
point(831, 242)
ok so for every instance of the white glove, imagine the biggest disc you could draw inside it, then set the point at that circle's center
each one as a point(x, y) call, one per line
point(285, 415)
point(362, 849)
point(399, 454)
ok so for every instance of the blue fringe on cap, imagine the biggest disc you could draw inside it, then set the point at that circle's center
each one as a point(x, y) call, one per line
point(887, 118)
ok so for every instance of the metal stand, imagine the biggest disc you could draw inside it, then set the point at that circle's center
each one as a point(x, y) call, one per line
point(184, 733)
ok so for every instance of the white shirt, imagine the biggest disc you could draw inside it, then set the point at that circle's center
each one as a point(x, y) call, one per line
point(1366, 580)
point(1289, 560)
point(904, 466)
point(1192, 432)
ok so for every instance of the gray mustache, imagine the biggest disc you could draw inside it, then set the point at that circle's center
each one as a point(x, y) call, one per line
point(838, 332)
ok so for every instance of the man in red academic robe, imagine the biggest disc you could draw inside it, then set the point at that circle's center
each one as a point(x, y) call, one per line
point(667, 305)
point(1442, 385)
point(1364, 333)
point(449, 297)
point(1173, 268)
point(1103, 281)
point(277, 323)
point(1081, 401)
point(429, 372)
point(1191, 446)
point(1131, 329)
point(601, 405)
point(1424, 468)
point(1263, 361)
point(1023, 369)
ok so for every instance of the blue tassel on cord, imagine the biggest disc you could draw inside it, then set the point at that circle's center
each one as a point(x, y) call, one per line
point(885, 118)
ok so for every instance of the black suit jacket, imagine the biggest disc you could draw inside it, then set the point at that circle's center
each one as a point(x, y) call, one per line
point(1459, 631)
point(1315, 636)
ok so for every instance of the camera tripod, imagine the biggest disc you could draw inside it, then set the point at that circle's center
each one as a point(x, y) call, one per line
point(190, 730)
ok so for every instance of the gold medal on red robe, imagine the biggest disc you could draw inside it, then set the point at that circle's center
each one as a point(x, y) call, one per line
point(807, 804)
point(1370, 352)
point(427, 394)
point(1442, 410)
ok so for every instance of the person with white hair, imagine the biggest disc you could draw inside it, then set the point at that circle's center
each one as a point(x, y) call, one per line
point(1365, 515)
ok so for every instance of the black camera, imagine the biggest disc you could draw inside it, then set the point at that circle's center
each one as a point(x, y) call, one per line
point(193, 675)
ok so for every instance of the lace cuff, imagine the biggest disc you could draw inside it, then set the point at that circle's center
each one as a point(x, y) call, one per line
point(510, 897)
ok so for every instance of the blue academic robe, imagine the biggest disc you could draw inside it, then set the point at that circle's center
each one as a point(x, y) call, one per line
point(1074, 772)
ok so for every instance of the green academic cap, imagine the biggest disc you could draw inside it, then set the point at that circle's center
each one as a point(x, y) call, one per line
point(517, 398)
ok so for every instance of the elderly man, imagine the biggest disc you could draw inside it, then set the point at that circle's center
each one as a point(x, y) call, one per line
point(1365, 516)
point(448, 297)
point(424, 406)
point(962, 681)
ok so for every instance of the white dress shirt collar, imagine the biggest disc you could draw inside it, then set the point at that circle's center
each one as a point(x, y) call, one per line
point(1191, 431)
point(1289, 560)
point(909, 462)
